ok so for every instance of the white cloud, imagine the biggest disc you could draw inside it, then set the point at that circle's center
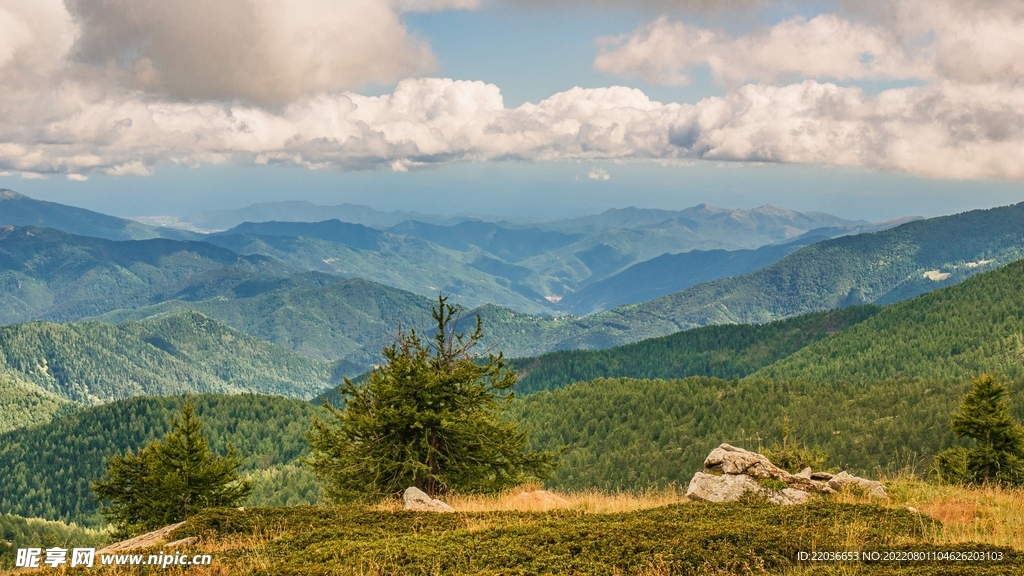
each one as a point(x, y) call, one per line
point(598, 174)
point(77, 177)
point(962, 40)
point(67, 109)
point(824, 47)
point(263, 51)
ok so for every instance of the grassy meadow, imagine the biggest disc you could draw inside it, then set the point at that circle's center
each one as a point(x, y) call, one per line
point(651, 533)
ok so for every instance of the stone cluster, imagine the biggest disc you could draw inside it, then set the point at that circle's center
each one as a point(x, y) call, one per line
point(731, 473)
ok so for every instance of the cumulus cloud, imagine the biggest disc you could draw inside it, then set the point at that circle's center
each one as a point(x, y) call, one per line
point(598, 174)
point(79, 100)
point(943, 130)
point(965, 41)
point(264, 51)
point(826, 46)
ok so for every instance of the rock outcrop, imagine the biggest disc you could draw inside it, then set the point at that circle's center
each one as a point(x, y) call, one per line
point(731, 472)
point(417, 500)
point(147, 540)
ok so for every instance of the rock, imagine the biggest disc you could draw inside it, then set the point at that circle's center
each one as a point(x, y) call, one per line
point(540, 499)
point(418, 501)
point(726, 488)
point(805, 473)
point(732, 460)
point(823, 476)
point(146, 540)
point(182, 542)
point(845, 480)
point(790, 496)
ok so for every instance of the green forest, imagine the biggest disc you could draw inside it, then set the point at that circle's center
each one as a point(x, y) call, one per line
point(729, 351)
point(954, 333)
point(56, 461)
point(45, 365)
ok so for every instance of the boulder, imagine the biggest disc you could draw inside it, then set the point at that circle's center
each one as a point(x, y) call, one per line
point(147, 540)
point(725, 488)
point(732, 460)
point(790, 496)
point(731, 487)
point(844, 480)
point(417, 500)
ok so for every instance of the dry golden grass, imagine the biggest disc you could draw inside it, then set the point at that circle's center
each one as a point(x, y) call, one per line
point(986, 514)
point(588, 501)
point(983, 514)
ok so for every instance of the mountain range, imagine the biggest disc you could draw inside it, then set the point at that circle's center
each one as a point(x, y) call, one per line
point(860, 384)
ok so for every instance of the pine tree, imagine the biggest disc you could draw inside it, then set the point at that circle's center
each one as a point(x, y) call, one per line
point(430, 417)
point(170, 479)
point(998, 454)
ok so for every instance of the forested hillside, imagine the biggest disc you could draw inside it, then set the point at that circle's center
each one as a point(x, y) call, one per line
point(729, 351)
point(45, 273)
point(47, 469)
point(626, 433)
point(19, 210)
point(956, 332)
point(93, 362)
point(23, 404)
point(317, 315)
point(401, 262)
point(880, 267)
point(670, 273)
point(17, 532)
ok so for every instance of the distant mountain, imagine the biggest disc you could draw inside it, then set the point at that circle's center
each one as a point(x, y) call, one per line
point(314, 314)
point(45, 273)
point(950, 334)
point(509, 244)
point(405, 262)
point(92, 362)
point(52, 465)
point(674, 272)
point(729, 351)
point(19, 210)
point(742, 228)
point(300, 211)
point(352, 235)
point(880, 267)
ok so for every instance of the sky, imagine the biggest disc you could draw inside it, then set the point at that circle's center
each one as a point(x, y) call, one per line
point(864, 109)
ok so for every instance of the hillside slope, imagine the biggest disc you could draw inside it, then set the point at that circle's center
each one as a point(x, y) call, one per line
point(728, 351)
point(317, 315)
point(45, 272)
point(19, 210)
point(880, 267)
point(956, 332)
point(92, 362)
point(670, 273)
point(56, 461)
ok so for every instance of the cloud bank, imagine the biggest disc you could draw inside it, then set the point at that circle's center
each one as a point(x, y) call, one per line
point(99, 86)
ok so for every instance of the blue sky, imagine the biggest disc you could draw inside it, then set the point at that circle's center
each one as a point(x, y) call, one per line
point(865, 113)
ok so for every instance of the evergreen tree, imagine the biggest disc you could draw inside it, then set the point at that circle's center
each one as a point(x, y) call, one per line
point(998, 454)
point(430, 417)
point(170, 479)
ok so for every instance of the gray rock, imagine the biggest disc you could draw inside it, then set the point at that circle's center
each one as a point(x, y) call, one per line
point(790, 496)
point(805, 473)
point(823, 476)
point(731, 487)
point(725, 488)
point(732, 460)
point(844, 480)
point(418, 501)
